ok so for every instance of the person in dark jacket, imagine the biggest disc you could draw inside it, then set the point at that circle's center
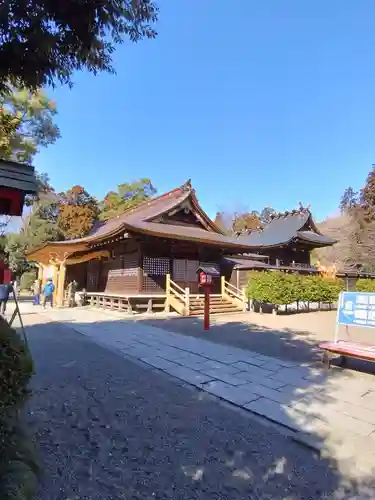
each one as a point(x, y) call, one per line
point(4, 296)
point(48, 290)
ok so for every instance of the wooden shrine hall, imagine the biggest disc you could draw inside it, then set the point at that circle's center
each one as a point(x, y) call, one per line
point(147, 258)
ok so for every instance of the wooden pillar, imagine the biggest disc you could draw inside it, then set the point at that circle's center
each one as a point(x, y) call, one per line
point(55, 279)
point(222, 282)
point(244, 298)
point(187, 297)
point(167, 293)
point(140, 270)
point(60, 284)
point(40, 271)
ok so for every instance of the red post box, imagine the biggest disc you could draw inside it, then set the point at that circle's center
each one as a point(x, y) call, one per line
point(205, 281)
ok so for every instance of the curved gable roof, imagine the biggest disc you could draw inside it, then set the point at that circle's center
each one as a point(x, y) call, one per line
point(143, 213)
point(140, 219)
point(287, 227)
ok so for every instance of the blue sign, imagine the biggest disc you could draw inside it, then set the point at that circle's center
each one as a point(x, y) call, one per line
point(356, 309)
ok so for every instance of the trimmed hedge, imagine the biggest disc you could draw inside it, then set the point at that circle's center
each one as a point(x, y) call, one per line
point(279, 288)
point(18, 465)
point(365, 285)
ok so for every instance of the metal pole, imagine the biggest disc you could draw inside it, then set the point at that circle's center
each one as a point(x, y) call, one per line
point(206, 307)
point(15, 313)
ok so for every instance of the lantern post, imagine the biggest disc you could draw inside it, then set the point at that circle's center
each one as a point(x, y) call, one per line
point(205, 281)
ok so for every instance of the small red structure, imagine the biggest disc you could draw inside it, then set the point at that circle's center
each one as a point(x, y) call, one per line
point(16, 181)
point(205, 281)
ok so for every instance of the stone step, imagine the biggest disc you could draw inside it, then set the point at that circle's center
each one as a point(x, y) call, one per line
point(212, 306)
point(219, 300)
point(227, 311)
point(230, 309)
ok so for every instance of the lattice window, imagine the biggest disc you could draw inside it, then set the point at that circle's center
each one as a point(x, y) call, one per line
point(155, 266)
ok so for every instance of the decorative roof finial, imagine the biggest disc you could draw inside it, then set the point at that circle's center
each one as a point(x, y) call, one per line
point(187, 186)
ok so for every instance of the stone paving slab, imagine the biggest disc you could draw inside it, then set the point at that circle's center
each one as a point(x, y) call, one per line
point(302, 398)
point(237, 395)
point(219, 374)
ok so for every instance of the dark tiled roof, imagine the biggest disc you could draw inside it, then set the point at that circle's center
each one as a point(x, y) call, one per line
point(284, 228)
point(249, 256)
point(188, 233)
point(18, 176)
point(247, 264)
point(316, 238)
point(239, 263)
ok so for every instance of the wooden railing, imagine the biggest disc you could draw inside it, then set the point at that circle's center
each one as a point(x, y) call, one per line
point(234, 294)
point(177, 297)
point(301, 265)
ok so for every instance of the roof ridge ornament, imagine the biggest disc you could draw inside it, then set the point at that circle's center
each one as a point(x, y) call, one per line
point(303, 209)
point(187, 186)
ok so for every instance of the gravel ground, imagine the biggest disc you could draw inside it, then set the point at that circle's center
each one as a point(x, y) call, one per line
point(108, 428)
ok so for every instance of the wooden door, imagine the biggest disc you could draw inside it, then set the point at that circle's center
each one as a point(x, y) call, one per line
point(184, 273)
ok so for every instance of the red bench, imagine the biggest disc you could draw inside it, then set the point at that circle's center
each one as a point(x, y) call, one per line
point(346, 349)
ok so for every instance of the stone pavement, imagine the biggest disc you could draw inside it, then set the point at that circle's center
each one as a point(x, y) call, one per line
point(334, 412)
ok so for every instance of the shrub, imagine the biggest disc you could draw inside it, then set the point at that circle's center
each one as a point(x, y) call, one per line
point(276, 287)
point(27, 279)
point(16, 368)
point(259, 285)
point(365, 285)
point(310, 289)
point(331, 289)
point(18, 467)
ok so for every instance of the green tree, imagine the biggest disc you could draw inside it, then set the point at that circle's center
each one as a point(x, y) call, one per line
point(36, 230)
point(367, 196)
point(266, 215)
point(8, 128)
point(348, 200)
point(127, 196)
point(43, 41)
point(16, 248)
point(26, 124)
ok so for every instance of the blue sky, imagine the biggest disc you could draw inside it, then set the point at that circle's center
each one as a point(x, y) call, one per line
point(266, 103)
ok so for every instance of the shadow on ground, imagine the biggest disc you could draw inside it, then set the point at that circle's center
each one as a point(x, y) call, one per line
point(109, 427)
point(286, 343)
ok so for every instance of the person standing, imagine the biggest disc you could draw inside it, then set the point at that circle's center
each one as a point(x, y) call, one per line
point(4, 296)
point(48, 290)
point(37, 291)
